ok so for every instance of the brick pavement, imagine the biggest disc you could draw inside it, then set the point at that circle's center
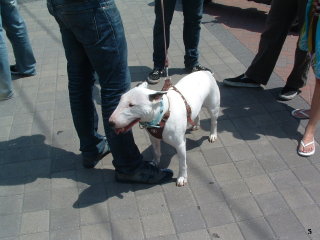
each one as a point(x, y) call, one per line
point(250, 184)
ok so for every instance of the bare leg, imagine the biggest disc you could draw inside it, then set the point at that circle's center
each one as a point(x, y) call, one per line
point(314, 118)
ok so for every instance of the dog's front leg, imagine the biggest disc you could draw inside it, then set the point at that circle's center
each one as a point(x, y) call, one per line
point(156, 145)
point(182, 155)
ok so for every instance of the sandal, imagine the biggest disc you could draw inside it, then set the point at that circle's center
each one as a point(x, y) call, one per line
point(300, 113)
point(306, 154)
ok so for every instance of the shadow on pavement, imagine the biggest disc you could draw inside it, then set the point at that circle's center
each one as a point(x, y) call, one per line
point(27, 159)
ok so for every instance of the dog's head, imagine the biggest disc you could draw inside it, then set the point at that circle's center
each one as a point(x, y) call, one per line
point(138, 104)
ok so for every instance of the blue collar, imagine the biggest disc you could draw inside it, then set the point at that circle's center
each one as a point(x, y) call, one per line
point(154, 123)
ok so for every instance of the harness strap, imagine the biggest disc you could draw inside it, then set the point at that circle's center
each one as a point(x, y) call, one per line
point(166, 86)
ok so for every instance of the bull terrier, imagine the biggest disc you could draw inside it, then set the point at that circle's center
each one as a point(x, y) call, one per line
point(169, 113)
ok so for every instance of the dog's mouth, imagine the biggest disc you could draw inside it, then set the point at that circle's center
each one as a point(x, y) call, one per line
point(127, 128)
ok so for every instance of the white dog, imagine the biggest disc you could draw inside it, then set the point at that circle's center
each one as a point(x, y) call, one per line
point(148, 107)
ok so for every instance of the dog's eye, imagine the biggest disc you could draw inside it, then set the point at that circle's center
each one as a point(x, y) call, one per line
point(131, 105)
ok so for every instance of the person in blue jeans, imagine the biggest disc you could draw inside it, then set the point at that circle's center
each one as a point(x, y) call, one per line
point(15, 28)
point(192, 13)
point(94, 41)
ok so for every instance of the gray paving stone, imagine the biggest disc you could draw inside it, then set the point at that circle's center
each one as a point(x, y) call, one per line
point(249, 168)
point(314, 191)
point(93, 194)
point(234, 189)
point(10, 225)
point(96, 232)
point(10, 187)
point(309, 217)
point(39, 184)
point(188, 219)
point(65, 234)
point(307, 174)
point(225, 172)
point(127, 229)
point(11, 204)
point(297, 197)
point(272, 203)
point(97, 213)
point(216, 214)
point(207, 192)
point(178, 198)
point(284, 179)
point(195, 159)
point(125, 209)
point(272, 162)
point(158, 225)
point(226, 232)
point(36, 201)
point(35, 236)
point(167, 237)
point(285, 224)
point(64, 218)
point(216, 156)
point(244, 208)
point(150, 204)
point(64, 179)
point(240, 152)
point(199, 234)
point(33, 222)
point(260, 184)
point(199, 177)
point(257, 228)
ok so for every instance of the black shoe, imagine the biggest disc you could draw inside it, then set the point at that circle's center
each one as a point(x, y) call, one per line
point(288, 93)
point(155, 75)
point(241, 81)
point(197, 68)
point(91, 162)
point(147, 173)
point(14, 71)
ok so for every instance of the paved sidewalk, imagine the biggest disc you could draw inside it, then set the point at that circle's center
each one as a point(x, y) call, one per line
point(249, 185)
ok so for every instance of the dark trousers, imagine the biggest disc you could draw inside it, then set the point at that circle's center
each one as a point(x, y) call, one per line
point(279, 21)
point(192, 13)
point(94, 42)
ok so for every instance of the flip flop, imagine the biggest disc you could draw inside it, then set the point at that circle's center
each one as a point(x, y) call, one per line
point(307, 154)
point(300, 113)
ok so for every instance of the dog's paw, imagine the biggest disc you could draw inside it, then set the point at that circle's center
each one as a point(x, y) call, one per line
point(181, 181)
point(212, 138)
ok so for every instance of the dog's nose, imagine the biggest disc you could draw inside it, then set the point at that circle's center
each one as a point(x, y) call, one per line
point(111, 123)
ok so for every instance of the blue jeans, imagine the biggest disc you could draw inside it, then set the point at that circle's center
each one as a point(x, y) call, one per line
point(16, 31)
point(192, 13)
point(94, 41)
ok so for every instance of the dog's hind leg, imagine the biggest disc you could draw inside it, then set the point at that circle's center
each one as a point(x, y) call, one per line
point(156, 145)
point(197, 123)
point(214, 113)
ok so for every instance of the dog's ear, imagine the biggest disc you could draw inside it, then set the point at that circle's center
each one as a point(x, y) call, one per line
point(156, 96)
point(142, 84)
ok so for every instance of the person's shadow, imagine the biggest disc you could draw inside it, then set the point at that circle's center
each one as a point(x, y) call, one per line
point(26, 159)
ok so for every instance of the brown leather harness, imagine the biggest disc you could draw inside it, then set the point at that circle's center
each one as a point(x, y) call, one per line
point(157, 131)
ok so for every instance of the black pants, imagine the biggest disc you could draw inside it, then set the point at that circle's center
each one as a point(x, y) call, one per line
point(279, 20)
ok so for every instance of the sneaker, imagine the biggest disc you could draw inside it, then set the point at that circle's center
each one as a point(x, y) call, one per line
point(241, 81)
point(155, 75)
point(14, 71)
point(197, 68)
point(147, 173)
point(288, 93)
point(91, 162)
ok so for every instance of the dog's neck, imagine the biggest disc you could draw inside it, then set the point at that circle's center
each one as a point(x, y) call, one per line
point(160, 108)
